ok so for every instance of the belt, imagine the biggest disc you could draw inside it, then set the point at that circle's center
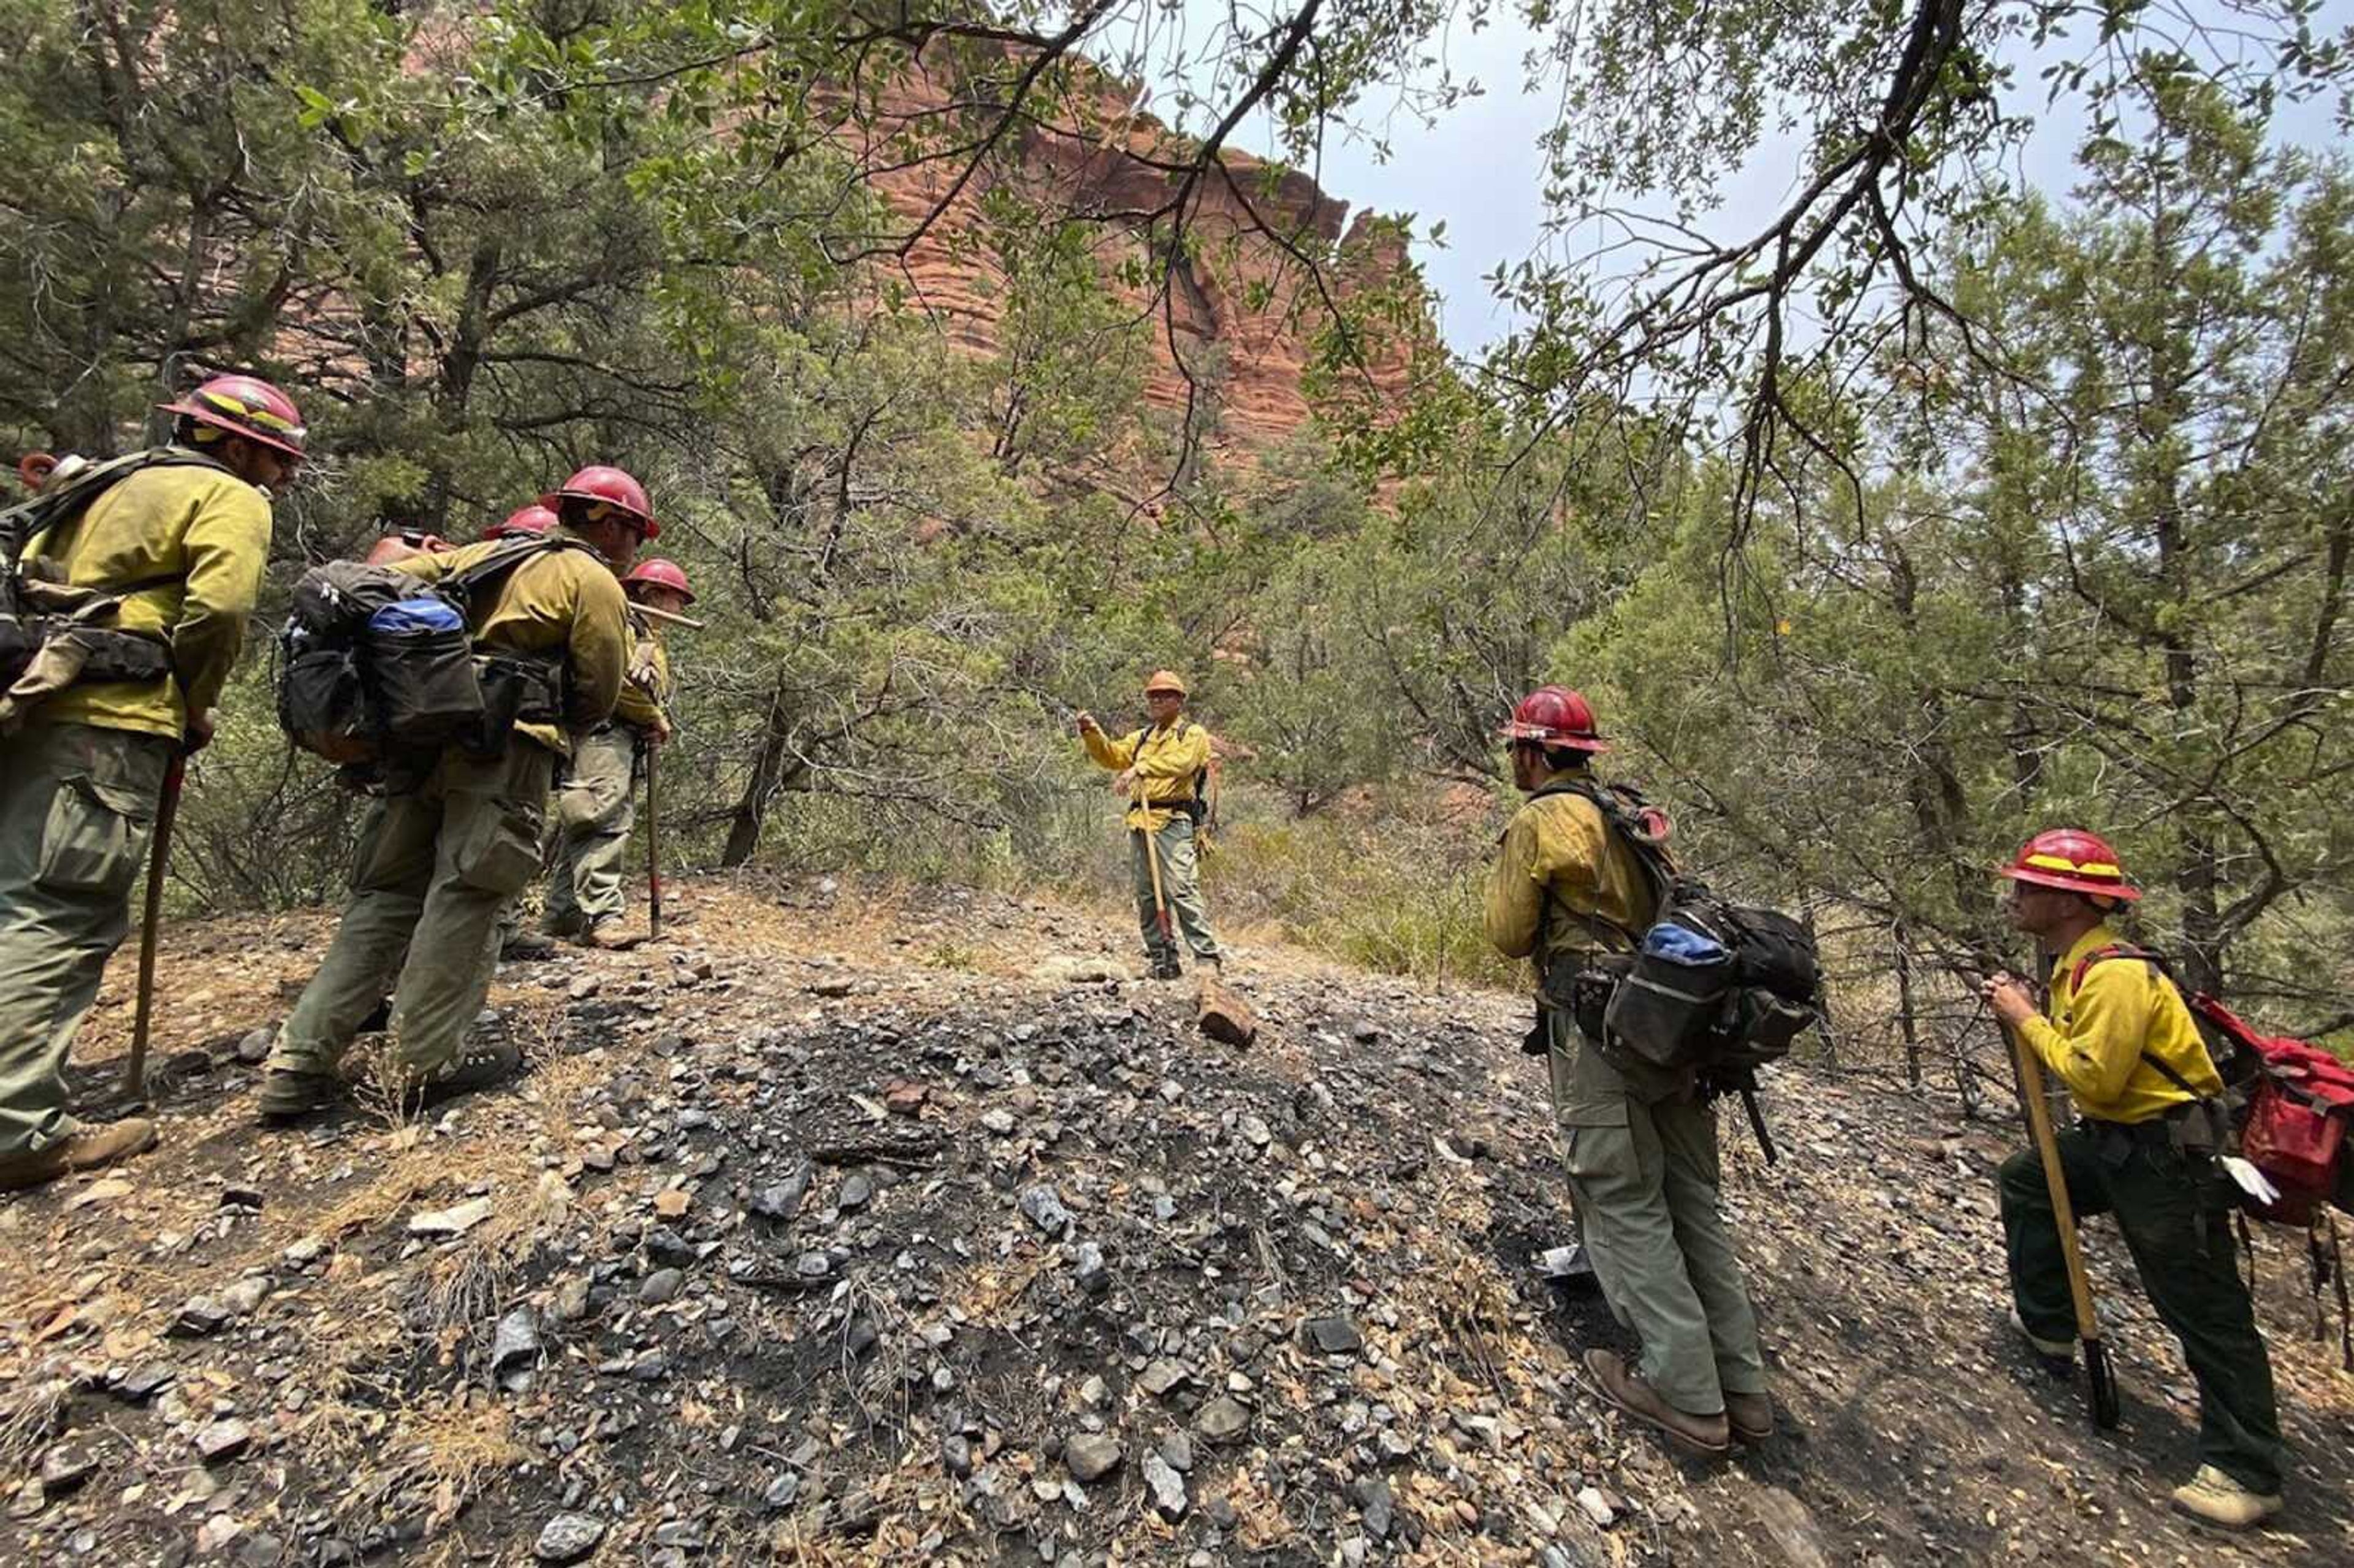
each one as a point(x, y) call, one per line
point(2157, 1130)
point(2163, 1131)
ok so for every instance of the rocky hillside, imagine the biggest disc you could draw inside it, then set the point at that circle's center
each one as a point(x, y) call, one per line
point(840, 1230)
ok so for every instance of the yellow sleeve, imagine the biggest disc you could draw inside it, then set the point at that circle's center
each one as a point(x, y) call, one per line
point(1515, 905)
point(597, 648)
point(2108, 1022)
point(431, 566)
point(226, 547)
point(1181, 757)
point(1110, 755)
point(642, 694)
point(1570, 842)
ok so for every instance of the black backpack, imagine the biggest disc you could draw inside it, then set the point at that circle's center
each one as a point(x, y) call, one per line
point(370, 671)
point(1714, 986)
point(38, 612)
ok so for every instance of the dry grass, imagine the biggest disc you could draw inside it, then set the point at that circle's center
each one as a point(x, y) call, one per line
point(28, 1420)
point(473, 1277)
point(449, 1448)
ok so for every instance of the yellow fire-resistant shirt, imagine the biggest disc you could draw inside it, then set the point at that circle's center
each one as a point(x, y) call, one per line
point(205, 531)
point(566, 600)
point(1165, 759)
point(647, 687)
point(2096, 1036)
point(1601, 899)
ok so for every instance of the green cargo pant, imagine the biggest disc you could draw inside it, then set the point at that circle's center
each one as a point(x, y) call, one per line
point(1644, 1173)
point(594, 812)
point(1180, 884)
point(436, 857)
point(76, 805)
point(2175, 1211)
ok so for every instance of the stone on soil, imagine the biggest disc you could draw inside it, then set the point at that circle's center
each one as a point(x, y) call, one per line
point(568, 1538)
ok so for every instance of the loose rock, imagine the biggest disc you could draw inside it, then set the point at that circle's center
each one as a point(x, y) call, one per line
point(1167, 1487)
point(451, 1222)
point(568, 1538)
point(1091, 1454)
point(1222, 1419)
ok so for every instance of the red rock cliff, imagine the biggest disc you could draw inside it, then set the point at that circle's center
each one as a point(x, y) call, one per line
point(1242, 309)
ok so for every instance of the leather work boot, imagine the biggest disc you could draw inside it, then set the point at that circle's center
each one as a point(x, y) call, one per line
point(475, 1067)
point(1709, 1436)
point(88, 1150)
point(530, 945)
point(2216, 1497)
point(1751, 1416)
point(287, 1093)
point(606, 934)
point(1167, 968)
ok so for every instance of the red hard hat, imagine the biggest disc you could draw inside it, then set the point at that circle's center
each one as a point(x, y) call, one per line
point(601, 484)
point(245, 405)
point(532, 519)
point(1556, 715)
point(2072, 860)
point(655, 572)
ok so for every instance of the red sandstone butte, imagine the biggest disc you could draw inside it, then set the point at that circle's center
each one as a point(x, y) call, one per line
point(1241, 310)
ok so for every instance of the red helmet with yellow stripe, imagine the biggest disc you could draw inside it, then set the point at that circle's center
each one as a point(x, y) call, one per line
point(2072, 861)
point(245, 405)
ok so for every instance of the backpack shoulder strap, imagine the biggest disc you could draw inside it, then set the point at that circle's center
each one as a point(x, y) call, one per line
point(1658, 870)
point(2154, 959)
point(2160, 967)
point(1622, 820)
point(52, 509)
point(463, 585)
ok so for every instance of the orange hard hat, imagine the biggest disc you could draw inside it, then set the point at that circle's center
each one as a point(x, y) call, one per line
point(2074, 861)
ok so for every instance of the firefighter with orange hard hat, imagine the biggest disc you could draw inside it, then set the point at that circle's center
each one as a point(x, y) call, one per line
point(1570, 892)
point(2146, 1148)
point(1162, 770)
point(178, 536)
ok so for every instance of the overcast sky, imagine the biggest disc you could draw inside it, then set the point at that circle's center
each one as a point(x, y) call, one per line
point(1480, 171)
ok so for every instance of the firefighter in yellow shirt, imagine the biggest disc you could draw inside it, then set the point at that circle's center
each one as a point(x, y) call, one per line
point(184, 537)
point(2120, 1036)
point(457, 835)
point(597, 807)
point(1159, 768)
point(1640, 1149)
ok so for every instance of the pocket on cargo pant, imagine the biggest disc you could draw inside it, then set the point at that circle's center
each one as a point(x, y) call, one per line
point(91, 840)
point(500, 850)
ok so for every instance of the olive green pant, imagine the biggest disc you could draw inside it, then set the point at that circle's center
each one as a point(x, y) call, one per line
point(1643, 1170)
point(2176, 1212)
point(1181, 884)
point(436, 857)
point(594, 812)
point(76, 803)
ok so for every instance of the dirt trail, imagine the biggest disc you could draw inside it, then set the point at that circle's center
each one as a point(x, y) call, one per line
point(843, 1229)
